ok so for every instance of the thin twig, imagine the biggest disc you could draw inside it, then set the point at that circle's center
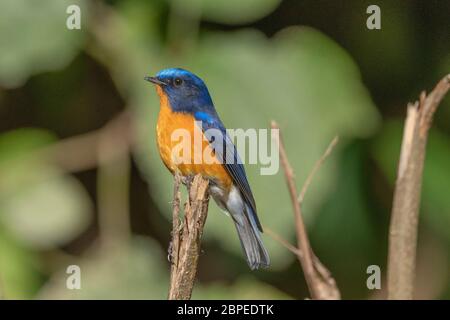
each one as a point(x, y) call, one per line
point(316, 167)
point(186, 241)
point(406, 204)
point(320, 283)
point(282, 241)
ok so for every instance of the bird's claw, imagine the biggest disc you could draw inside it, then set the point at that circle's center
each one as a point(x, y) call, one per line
point(170, 252)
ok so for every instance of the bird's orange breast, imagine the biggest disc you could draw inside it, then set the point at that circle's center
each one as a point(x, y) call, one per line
point(176, 138)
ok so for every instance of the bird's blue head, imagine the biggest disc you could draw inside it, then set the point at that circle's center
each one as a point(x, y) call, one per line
point(186, 91)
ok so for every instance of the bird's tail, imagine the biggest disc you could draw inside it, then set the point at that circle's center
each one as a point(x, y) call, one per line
point(251, 242)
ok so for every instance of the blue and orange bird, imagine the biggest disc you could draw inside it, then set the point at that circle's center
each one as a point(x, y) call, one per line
point(185, 102)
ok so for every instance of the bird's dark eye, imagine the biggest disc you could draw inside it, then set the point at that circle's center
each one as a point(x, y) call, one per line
point(177, 82)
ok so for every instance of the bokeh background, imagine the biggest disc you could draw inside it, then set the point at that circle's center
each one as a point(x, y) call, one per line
point(81, 181)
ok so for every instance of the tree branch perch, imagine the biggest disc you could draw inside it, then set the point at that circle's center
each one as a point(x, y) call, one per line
point(405, 208)
point(186, 237)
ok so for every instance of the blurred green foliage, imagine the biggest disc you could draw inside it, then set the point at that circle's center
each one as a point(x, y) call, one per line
point(309, 81)
point(43, 207)
point(33, 39)
point(229, 11)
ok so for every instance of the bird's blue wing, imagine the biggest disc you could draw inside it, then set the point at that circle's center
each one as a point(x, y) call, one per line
point(229, 157)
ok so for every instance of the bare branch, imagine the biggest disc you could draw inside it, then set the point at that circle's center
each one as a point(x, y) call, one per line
point(282, 241)
point(405, 208)
point(186, 240)
point(316, 167)
point(320, 283)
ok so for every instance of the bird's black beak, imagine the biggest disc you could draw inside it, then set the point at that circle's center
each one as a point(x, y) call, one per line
point(154, 80)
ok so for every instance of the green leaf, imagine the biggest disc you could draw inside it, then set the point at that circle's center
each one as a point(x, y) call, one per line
point(135, 271)
point(19, 276)
point(46, 211)
point(230, 11)
point(39, 205)
point(34, 38)
point(20, 142)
